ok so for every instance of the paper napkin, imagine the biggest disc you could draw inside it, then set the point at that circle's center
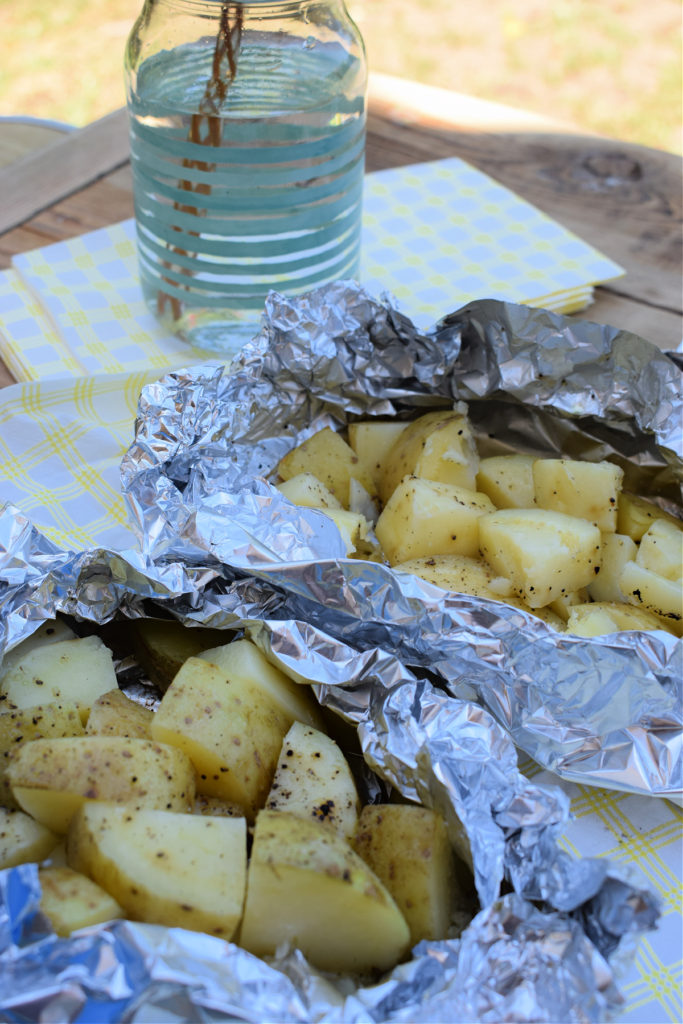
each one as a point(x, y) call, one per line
point(435, 236)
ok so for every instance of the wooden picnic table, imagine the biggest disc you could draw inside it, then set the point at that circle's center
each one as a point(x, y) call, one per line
point(622, 198)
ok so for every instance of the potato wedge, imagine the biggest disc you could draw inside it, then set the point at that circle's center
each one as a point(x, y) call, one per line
point(459, 573)
point(661, 550)
point(544, 553)
point(438, 446)
point(44, 721)
point(371, 440)
point(306, 490)
point(23, 840)
point(49, 632)
point(71, 900)
point(407, 847)
point(425, 517)
point(114, 714)
point(588, 490)
point(243, 660)
point(331, 460)
point(74, 671)
point(314, 781)
point(307, 887)
point(508, 480)
point(659, 595)
point(178, 870)
point(601, 617)
point(228, 727)
point(50, 779)
point(163, 647)
point(616, 549)
point(635, 515)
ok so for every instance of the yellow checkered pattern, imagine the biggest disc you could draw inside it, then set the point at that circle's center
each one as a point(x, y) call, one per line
point(645, 834)
point(61, 444)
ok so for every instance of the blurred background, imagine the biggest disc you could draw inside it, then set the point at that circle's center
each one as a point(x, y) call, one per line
point(606, 66)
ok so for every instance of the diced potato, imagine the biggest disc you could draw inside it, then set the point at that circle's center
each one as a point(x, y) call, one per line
point(75, 671)
point(114, 714)
point(662, 597)
point(424, 517)
point(314, 781)
point(438, 446)
point(588, 490)
point(635, 515)
point(661, 550)
point(617, 549)
point(408, 849)
point(71, 900)
point(50, 779)
point(460, 574)
point(162, 647)
point(353, 527)
point(49, 632)
point(243, 660)
point(563, 604)
point(228, 727)
point(508, 480)
point(23, 840)
point(601, 617)
point(371, 441)
point(329, 458)
point(545, 554)
point(44, 721)
point(305, 489)
point(178, 870)
point(307, 887)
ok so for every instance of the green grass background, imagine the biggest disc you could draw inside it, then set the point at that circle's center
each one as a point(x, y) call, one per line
point(607, 66)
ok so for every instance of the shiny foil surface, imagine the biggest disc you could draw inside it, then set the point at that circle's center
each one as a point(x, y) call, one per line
point(441, 687)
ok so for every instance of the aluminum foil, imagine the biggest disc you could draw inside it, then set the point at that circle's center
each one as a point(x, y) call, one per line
point(440, 687)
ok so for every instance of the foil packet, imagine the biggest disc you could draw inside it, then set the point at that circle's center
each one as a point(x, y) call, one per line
point(441, 688)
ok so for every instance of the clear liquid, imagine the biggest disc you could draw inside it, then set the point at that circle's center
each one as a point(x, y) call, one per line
point(274, 202)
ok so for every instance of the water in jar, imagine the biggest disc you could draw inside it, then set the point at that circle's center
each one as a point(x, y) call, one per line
point(265, 195)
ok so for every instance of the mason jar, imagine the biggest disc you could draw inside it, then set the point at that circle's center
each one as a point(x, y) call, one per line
point(247, 131)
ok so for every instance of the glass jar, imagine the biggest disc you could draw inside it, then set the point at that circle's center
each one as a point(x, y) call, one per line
point(247, 129)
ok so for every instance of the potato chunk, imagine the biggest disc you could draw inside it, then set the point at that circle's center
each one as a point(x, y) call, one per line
point(329, 458)
point(661, 550)
point(178, 870)
point(459, 573)
point(23, 840)
point(50, 632)
point(407, 847)
point(601, 617)
point(438, 446)
point(657, 594)
point(617, 549)
point(508, 480)
point(44, 721)
point(313, 780)
point(229, 729)
point(371, 440)
point(306, 886)
point(588, 490)
point(163, 647)
point(71, 900)
point(635, 515)
point(50, 779)
point(77, 671)
point(543, 553)
point(114, 714)
point(424, 517)
point(306, 490)
point(243, 660)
